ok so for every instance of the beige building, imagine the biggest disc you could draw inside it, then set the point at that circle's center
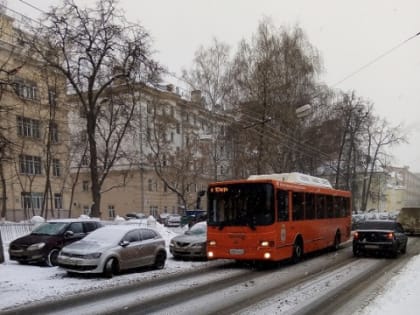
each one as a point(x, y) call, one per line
point(33, 131)
point(189, 135)
point(402, 189)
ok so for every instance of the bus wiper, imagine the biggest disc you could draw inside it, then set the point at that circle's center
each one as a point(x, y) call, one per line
point(251, 225)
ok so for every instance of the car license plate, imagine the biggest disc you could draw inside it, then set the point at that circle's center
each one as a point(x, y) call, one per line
point(371, 246)
point(236, 251)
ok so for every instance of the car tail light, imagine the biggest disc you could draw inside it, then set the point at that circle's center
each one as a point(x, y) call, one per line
point(356, 235)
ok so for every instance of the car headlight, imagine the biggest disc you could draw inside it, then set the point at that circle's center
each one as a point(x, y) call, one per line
point(92, 256)
point(36, 246)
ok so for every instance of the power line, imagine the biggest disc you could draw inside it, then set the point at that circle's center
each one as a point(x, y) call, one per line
point(375, 60)
point(32, 6)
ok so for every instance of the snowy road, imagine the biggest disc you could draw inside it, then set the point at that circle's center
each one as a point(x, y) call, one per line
point(330, 283)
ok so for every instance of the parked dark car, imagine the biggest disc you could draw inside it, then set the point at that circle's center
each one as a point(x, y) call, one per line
point(379, 237)
point(114, 248)
point(47, 239)
point(191, 244)
point(135, 215)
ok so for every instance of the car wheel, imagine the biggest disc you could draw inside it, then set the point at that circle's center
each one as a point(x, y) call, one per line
point(160, 260)
point(52, 257)
point(394, 253)
point(356, 251)
point(404, 249)
point(111, 268)
point(297, 251)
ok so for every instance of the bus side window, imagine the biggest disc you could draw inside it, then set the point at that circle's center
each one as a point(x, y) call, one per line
point(298, 206)
point(338, 206)
point(283, 205)
point(310, 206)
point(330, 207)
point(320, 206)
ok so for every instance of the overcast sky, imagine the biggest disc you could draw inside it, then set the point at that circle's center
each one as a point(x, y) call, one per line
point(348, 34)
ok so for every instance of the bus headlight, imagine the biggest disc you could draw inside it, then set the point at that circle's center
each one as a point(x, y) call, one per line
point(210, 254)
point(266, 243)
point(267, 255)
point(212, 243)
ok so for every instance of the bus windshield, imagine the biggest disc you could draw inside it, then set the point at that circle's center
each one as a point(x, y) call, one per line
point(245, 204)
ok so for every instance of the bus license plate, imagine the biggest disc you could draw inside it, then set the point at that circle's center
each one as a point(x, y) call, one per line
point(236, 251)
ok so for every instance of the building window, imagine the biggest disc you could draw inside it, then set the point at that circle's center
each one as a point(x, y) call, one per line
point(84, 161)
point(85, 185)
point(178, 128)
point(111, 211)
point(83, 136)
point(28, 127)
point(86, 210)
point(58, 201)
point(30, 165)
point(52, 98)
point(27, 90)
point(172, 137)
point(56, 167)
point(54, 132)
point(150, 184)
point(32, 200)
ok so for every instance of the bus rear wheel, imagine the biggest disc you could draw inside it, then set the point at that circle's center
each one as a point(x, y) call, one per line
point(297, 251)
point(337, 241)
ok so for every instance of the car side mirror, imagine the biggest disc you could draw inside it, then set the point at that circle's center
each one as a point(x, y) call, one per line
point(124, 243)
point(68, 234)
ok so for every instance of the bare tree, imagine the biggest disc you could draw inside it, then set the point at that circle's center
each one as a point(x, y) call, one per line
point(380, 136)
point(178, 168)
point(211, 74)
point(103, 58)
point(274, 74)
point(353, 114)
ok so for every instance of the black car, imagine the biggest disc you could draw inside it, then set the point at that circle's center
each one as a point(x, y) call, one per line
point(379, 237)
point(47, 239)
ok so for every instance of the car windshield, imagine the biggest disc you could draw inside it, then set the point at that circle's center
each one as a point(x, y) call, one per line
point(197, 229)
point(376, 225)
point(105, 235)
point(50, 228)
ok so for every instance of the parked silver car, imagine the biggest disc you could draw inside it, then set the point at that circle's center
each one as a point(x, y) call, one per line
point(191, 244)
point(114, 248)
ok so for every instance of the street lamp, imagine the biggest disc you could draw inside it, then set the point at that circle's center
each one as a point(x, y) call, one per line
point(303, 111)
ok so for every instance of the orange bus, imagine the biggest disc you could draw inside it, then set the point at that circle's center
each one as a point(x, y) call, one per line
point(275, 217)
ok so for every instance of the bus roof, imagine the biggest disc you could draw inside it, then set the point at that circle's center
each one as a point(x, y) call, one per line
point(295, 177)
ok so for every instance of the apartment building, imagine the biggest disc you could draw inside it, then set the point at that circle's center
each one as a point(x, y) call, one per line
point(177, 143)
point(33, 132)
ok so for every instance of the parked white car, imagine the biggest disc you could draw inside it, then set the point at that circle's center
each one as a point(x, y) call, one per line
point(173, 220)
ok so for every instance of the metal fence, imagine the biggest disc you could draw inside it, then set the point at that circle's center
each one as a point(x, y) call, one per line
point(11, 231)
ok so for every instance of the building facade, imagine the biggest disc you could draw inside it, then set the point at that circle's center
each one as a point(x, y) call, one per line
point(34, 131)
point(176, 149)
